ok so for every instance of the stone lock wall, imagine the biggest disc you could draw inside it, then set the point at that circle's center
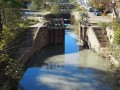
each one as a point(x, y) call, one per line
point(44, 37)
point(39, 42)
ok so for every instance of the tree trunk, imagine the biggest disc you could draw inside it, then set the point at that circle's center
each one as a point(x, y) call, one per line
point(116, 14)
point(114, 9)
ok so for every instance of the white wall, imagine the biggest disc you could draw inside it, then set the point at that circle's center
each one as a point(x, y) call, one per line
point(95, 45)
point(110, 34)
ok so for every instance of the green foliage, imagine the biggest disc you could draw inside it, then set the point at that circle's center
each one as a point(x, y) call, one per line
point(10, 11)
point(12, 34)
point(36, 4)
point(67, 1)
point(117, 21)
point(84, 18)
point(117, 30)
point(99, 4)
point(2, 44)
point(11, 70)
point(7, 34)
point(4, 58)
point(12, 30)
point(72, 0)
point(55, 9)
point(117, 35)
point(9, 14)
point(103, 25)
point(14, 70)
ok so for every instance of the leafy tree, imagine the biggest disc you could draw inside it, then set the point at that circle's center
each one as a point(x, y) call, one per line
point(117, 35)
point(36, 4)
point(10, 18)
point(103, 26)
point(101, 4)
point(72, 0)
point(84, 18)
point(11, 70)
point(116, 6)
point(55, 9)
point(117, 30)
point(9, 14)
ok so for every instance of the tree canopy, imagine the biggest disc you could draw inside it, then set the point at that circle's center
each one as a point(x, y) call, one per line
point(9, 14)
point(117, 31)
point(36, 4)
point(55, 9)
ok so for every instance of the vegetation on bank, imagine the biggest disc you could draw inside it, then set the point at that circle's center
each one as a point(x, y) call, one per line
point(9, 47)
point(12, 29)
point(117, 30)
point(114, 50)
point(36, 4)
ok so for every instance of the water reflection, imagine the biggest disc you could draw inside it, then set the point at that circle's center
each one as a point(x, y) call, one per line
point(56, 77)
point(74, 70)
point(70, 42)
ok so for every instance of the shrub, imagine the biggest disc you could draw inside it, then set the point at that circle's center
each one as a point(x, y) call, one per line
point(117, 35)
point(55, 9)
point(117, 30)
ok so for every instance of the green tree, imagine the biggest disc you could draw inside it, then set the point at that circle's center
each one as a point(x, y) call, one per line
point(84, 18)
point(9, 14)
point(116, 6)
point(72, 0)
point(36, 4)
point(55, 9)
point(117, 35)
point(10, 18)
point(117, 30)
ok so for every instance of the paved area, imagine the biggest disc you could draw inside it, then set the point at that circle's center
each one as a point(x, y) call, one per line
point(38, 15)
point(94, 18)
point(99, 18)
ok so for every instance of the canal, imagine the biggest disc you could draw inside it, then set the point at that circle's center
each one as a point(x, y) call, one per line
point(66, 67)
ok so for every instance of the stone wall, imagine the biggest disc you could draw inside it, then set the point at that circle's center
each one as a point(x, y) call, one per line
point(45, 36)
point(110, 34)
point(39, 42)
point(93, 41)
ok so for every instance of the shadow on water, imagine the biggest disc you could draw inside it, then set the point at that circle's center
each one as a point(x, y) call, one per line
point(60, 77)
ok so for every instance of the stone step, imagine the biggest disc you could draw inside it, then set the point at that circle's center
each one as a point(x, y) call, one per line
point(104, 45)
point(98, 31)
point(102, 39)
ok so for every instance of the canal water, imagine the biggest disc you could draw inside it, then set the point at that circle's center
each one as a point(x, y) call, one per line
point(66, 67)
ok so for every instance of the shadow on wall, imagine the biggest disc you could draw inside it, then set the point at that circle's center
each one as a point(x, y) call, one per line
point(39, 57)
